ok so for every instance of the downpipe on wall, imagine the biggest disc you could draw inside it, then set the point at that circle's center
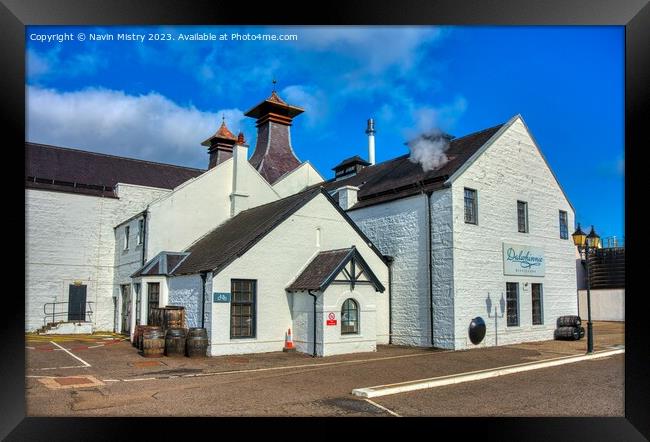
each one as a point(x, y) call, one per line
point(315, 297)
point(428, 248)
point(204, 275)
point(390, 260)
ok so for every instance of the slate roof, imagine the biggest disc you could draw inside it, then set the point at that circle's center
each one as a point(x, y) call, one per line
point(351, 161)
point(325, 266)
point(233, 238)
point(400, 178)
point(77, 171)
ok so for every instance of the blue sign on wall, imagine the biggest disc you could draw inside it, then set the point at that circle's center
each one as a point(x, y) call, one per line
point(221, 297)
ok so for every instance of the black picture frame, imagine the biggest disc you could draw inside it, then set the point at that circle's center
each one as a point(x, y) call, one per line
point(633, 14)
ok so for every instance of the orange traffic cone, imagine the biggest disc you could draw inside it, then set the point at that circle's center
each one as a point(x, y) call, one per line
point(288, 342)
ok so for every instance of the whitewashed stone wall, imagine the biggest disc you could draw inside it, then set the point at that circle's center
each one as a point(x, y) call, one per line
point(442, 265)
point(366, 340)
point(302, 311)
point(70, 237)
point(186, 291)
point(398, 229)
point(274, 262)
point(510, 169)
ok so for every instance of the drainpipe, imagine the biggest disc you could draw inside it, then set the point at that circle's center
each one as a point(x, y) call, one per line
point(390, 260)
point(144, 233)
point(429, 269)
point(314, 296)
point(204, 275)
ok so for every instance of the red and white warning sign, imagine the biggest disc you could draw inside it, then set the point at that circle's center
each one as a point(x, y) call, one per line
point(331, 318)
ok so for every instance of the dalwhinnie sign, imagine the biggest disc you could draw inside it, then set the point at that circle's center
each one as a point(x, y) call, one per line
point(523, 260)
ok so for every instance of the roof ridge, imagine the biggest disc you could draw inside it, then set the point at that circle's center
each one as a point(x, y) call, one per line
point(111, 156)
point(337, 250)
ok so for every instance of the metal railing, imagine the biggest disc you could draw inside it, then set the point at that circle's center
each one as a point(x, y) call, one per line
point(52, 312)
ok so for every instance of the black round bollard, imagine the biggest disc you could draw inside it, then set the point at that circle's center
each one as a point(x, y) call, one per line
point(476, 330)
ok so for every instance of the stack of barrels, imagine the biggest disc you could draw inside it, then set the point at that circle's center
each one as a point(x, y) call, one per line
point(568, 328)
point(168, 336)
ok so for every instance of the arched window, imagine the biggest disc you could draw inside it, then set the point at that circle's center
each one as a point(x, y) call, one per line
point(350, 317)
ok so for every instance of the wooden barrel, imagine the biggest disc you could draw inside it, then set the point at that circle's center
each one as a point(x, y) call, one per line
point(137, 333)
point(173, 317)
point(143, 330)
point(153, 342)
point(196, 344)
point(198, 332)
point(175, 342)
point(567, 333)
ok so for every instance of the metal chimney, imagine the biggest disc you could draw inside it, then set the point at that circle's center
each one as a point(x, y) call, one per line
point(370, 130)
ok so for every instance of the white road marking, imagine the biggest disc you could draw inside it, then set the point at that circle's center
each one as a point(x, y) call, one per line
point(402, 387)
point(74, 356)
point(383, 408)
point(59, 368)
point(139, 379)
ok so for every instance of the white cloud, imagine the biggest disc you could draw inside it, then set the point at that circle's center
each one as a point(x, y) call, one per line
point(377, 48)
point(150, 127)
point(53, 64)
point(311, 99)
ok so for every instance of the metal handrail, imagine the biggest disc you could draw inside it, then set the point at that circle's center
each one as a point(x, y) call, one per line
point(54, 313)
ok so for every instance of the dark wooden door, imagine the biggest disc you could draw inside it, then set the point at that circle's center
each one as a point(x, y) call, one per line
point(77, 303)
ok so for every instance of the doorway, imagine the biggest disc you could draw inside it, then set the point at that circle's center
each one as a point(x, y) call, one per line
point(77, 303)
point(153, 299)
point(126, 308)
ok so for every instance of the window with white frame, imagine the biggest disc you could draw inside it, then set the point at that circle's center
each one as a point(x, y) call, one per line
point(126, 237)
point(471, 207)
point(522, 216)
point(564, 225)
point(350, 317)
point(140, 231)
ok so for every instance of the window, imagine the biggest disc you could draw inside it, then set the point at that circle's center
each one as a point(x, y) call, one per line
point(512, 301)
point(536, 293)
point(564, 225)
point(242, 308)
point(522, 216)
point(126, 237)
point(153, 299)
point(138, 302)
point(140, 231)
point(471, 212)
point(350, 317)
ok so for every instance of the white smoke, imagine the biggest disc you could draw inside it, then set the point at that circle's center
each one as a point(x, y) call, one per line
point(429, 150)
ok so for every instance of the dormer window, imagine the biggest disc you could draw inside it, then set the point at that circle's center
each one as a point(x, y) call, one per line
point(349, 167)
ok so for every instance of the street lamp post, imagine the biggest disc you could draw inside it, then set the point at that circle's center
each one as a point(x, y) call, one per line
point(587, 244)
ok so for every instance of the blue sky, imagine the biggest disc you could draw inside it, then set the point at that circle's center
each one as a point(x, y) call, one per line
point(157, 100)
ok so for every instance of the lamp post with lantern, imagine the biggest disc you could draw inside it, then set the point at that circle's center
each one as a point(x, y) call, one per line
point(587, 244)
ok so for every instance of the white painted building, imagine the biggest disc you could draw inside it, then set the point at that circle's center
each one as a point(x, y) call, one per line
point(494, 196)
point(254, 247)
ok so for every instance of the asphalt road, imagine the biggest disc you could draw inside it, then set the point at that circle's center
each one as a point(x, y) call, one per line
point(593, 388)
point(123, 383)
point(590, 388)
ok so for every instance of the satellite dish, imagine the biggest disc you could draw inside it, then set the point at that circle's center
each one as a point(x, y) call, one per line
point(476, 330)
